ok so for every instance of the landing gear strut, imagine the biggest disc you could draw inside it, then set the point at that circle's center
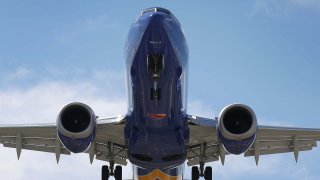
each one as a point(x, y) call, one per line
point(111, 171)
point(201, 171)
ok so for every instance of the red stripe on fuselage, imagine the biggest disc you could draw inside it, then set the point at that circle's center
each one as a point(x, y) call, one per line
point(156, 116)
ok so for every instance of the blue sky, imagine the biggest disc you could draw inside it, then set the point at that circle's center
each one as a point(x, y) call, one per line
point(263, 53)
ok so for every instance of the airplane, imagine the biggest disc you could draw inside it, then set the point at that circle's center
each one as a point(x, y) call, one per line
point(157, 135)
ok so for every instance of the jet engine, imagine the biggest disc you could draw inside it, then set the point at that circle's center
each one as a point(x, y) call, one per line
point(237, 128)
point(76, 127)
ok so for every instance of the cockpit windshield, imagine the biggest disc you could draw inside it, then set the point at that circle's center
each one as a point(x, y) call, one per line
point(156, 9)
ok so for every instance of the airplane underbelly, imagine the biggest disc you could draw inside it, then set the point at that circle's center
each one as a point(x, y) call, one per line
point(155, 150)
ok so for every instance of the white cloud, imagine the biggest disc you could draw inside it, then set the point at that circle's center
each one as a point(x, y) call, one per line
point(197, 108)
point(41, 104)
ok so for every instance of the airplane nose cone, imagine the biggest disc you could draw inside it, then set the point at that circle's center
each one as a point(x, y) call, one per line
point(157, 18)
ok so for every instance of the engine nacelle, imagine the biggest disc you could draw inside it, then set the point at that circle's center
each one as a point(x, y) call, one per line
point(76, 127)
point(237, 128)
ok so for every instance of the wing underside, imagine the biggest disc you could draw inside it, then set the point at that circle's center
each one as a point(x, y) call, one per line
point(205, 147)
point(108, 145)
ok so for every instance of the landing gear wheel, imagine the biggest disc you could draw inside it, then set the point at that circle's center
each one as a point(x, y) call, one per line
point(195, 173)
point(104, 172)
point(208, 173)
point(118, 173)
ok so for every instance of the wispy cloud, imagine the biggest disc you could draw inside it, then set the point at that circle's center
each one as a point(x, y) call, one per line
point(18, 74)
point(277, 8)
point(312, 4)
point(86, 27)
point(99, 23)
point(262, 121)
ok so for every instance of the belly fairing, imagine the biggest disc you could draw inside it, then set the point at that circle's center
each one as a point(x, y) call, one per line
point(158, 174)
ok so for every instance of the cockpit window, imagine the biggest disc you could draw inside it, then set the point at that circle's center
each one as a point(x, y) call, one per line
point(149, 10)
point(156, 10)
point(166, 11)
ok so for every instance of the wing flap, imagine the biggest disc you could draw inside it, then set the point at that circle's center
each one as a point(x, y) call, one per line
point(29, 141)
point(48, 149)
point(276, 151)
point(285, 143)
point(270, 132)
point(275, 140)
point(36, 130)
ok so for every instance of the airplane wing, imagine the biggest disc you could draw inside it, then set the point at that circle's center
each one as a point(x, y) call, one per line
point(205, 147)
point(43, 138)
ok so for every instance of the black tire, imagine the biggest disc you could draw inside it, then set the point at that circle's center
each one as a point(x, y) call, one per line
point(195, 173)
point(208, 173)
point(118, 173)
point(104, 172)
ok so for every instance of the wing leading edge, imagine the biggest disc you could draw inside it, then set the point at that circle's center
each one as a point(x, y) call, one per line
point(108, 145)
point(204, 145)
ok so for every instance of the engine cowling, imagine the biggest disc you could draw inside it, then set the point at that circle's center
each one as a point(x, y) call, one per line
point(76, 126)
point(237, 128)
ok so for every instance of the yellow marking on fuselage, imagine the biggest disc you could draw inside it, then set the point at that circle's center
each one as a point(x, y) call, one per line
point(157, 174)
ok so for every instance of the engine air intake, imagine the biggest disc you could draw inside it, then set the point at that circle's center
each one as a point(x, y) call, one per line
point(238, 120)
point(75, 118)
point(76, 126)
point(237, 128)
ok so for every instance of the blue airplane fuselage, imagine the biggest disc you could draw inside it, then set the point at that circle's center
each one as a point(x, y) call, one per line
point(156, 130)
